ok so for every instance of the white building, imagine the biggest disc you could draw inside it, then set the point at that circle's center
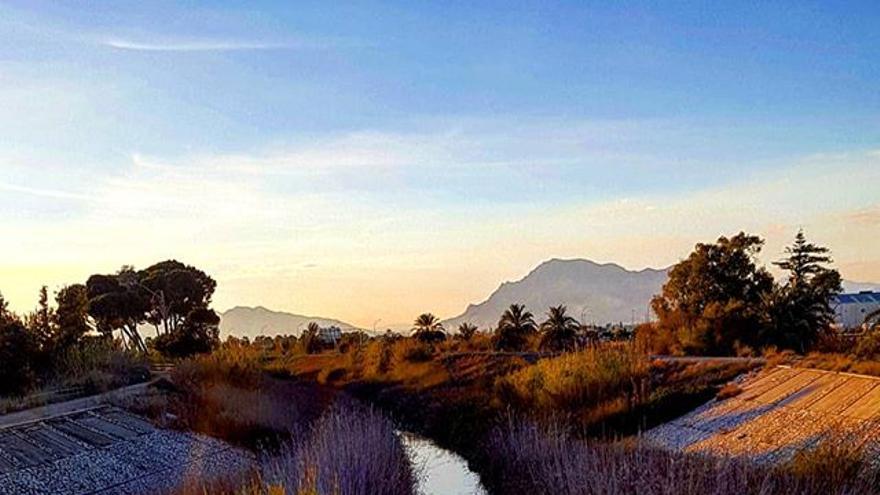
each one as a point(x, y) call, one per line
point(330, 335)
point(850, 310)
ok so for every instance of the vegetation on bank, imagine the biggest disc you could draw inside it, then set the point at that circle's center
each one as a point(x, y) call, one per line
point(308, 439)
point(529, 457)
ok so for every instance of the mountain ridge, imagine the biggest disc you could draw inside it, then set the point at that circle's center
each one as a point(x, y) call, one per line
point(600, 293)
point(586, 287)
point(253, 321)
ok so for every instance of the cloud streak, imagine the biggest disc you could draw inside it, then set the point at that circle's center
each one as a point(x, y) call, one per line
point(198, 45)
point(44, 193)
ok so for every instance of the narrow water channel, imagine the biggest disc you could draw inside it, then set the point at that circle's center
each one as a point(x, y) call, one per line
point(440, 472)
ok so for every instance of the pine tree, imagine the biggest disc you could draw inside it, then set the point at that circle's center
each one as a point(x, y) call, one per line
point(801, 308)
point(40, 321)
point(804, 260)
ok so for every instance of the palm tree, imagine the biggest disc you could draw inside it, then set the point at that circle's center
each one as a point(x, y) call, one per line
point(313, 329)
point(466, 331)
point(309, 338)
point(428, 328)
point(560, 330)
point(515, 325)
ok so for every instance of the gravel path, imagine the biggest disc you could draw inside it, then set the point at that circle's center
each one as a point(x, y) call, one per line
point(106, 450)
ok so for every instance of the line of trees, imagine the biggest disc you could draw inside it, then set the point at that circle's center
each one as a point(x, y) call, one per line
point(172, 297)
point(515, 330)
point(720, 300)
point(717, 301)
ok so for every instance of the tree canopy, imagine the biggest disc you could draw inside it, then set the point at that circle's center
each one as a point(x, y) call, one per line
point(719, 299)
point(713, 300)
point(165, 295)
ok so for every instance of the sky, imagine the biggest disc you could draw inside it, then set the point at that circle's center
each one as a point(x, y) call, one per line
point(373, 161)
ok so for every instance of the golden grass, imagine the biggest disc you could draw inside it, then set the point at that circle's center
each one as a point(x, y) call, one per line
point(575, 380)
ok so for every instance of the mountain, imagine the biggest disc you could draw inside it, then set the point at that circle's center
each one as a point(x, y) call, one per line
point(608, 293)
point(602, 293)
point(252, 322)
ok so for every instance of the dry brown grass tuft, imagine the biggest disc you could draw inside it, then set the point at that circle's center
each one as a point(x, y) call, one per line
point(728, 391)
point(834, 461)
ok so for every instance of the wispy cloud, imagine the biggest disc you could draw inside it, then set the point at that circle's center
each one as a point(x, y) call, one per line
point(195, 45)
point(45, 193)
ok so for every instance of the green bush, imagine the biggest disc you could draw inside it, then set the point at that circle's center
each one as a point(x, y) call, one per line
point(18, 351)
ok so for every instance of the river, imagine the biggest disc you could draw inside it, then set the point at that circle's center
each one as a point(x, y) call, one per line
point(440, 472)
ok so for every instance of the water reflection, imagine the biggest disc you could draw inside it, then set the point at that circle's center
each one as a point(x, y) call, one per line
point(440, 471)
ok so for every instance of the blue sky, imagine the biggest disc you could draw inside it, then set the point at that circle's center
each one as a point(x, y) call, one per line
point(366, 145)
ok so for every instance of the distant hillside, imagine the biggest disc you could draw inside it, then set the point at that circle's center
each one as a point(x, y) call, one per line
point(252, 322)
point(609, 293)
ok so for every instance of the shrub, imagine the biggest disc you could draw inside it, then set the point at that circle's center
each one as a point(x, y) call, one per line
point(18, 350)
point(198, 334)
point(413, 351)
point(868, 345)
point(728, 391)
point(235, 365)
point(523, 457)
point(100, 364)
point(574, 380)
point(650, 338)
point(351, 450)
point(833, 462)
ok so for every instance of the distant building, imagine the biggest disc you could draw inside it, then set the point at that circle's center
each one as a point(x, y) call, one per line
point(850, 310)
point(330, 335)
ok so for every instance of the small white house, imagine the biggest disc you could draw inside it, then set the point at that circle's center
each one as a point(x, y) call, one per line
point(850, 310)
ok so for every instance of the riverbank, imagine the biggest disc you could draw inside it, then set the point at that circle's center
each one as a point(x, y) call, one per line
point(460, 401)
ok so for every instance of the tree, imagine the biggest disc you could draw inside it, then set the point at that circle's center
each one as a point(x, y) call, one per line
point(40, 322)
point(199, 333)
point(427, 328)
point(175, 290)
point(117, 302)
point(559, 330)
point(309, 338)
point(714, 299)
point(18, 351)
point(6, 316)
point(71, 317)
point(514, 328)
point(801, 308)
point(466, 331)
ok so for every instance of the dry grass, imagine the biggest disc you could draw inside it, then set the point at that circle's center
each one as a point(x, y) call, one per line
point(225, 395)
point(524, 457)
point(577, 380)
point(835, 461)
point(93, 367)
point(728, 391)
point(839, 362)
point(352, 450)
